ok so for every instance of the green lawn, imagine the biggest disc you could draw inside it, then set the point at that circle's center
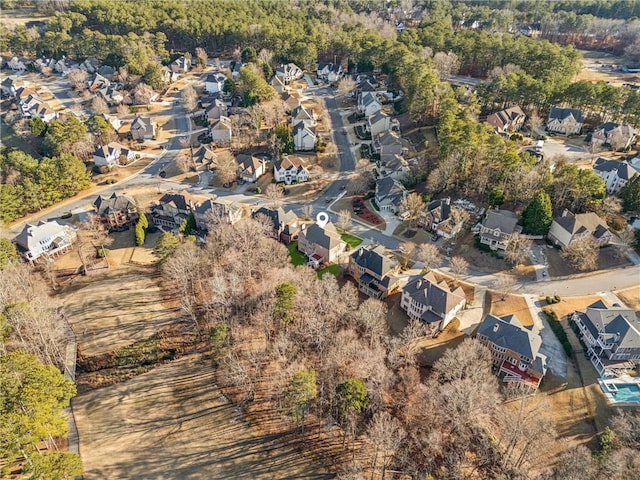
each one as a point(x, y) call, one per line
point(296, 257)
point(351, 240)
point(332, 269)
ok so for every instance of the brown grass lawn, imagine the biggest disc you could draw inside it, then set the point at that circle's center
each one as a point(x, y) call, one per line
point(416, 235)
point(568, 305)
point(512, 304)
point(433, 348)
point(631, 297)
point(478, 260)
point(174, 423)
point(607, 259)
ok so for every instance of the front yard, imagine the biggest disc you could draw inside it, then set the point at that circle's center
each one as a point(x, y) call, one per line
point(351, 240)
point(558, 267)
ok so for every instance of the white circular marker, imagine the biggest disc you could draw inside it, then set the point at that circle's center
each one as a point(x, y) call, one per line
point(322, 219)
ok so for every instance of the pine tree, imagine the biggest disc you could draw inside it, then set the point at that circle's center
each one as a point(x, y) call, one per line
point(538, 215)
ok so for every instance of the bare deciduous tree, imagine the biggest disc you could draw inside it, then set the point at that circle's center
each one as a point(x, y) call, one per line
point(505, 284)
point(77, 78)
point(226, 167)
point(459, 267)
point(123, 109)
point(429, 255)
point(518, 248)
point(360, 182)
point(407, 249)
point(184, 161)
point(344, 219)
point(386, 435)
point(582, 253)
point(142, 94)
point(265, 55)
point(189, 98)
point(346, 85)
point(307, 211)
point(99, 105)
point(446, 64)
point(274, 194)
point(411, 207)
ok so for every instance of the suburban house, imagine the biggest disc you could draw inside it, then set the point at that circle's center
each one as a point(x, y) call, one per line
point(111, 95)
point(389, 143)
point(43, 111)
point(290, 170)
point(567, 121)
point(114, 121)
point(389, 194)
point(220, 131)
point(116, 211)
point(215, 111)
point(515, 349)
point(507, 121)
point(180, 65)
point(214, 82)
point(616, 174)
point(250, 167)
point(321, 245)
point(497, 228)
point(611, 336)
point(368, 104)
point(48, 239)
point(235, 69)
point(173, 209)
point(286, 224)
point(289, 72)
point(110, 155)
point(391, 165)
point(618, 136)
point(304, 137)
point(277, 84)
point(203, 157)
point(432, 302)
point(9, 87)
point(291, 100)
point(96, 82)
point(569, 227)
point(142, 128)
point(16, 64)
point(379, 123)
point(330, 72)
point(441, 218)
point(90, 65)
point(211, 212)
point(28, 102)
point(373, 270)
point(301, 114)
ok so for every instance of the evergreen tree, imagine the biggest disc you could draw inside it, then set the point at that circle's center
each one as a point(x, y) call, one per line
point(538, 215)
point(140, 233)
point(8, 252)
point(167, 244)
point(630, 195)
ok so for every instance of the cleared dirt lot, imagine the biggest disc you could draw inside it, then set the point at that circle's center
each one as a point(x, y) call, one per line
point(174, 423)
point(118, 308)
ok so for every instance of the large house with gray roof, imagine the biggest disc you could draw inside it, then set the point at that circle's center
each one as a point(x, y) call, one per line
point(389, 194)
point(321, 245)
point(497, 228)
point(567, 121)
point(515, 349)
point(508, 120)
point(48, 239)
point(568, 228)
point(373, 270)
point(432, 302)
point(616, 174)
point(611, 336)
point(286, 224)
point(173, 209)
point(213, 212)
point(618, 136)
point(116, 211)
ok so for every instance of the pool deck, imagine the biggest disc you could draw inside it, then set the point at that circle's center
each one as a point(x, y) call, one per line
point(607, 383)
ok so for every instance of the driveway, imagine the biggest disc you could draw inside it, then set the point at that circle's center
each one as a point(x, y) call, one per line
point(551, 346)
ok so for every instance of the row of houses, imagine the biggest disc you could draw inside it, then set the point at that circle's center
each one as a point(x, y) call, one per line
point(28, 101)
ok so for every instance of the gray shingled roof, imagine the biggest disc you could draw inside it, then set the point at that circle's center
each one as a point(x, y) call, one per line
point(32, 235)
point(503, 220)
point(625, 170)
point(113, 203)
point(581, 222)
point(438, 296)
point(279, 217)
point(391, 189)
point(562, 113)
point(326, 237)
point(508, 332)
point(612, 322)
point(374, 258)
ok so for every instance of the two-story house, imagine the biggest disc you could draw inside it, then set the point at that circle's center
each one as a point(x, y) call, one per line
point(286, 225)
point(289, 73)
point(569, 227)
point(389, 194)
point(213, 212)
point(507, 121)
point(515, 349)
point(250, 167)
point(374, 270)
point(497, 228)
point(290, 169)
point(618, 136)
point(567, 121)
point(611, 336)
point(301, 114)
point(173, 209)
point(214, 82)
point(304, 136)
point(142, 128)
point(368, 104)
point(378, 123)
point(320, 244)
point(221, 130)
point(48, 239)
point(116, 211)
point(616, 174)
point(432, 302)
point(441, 218)
point(329, 72)
point(392, 165)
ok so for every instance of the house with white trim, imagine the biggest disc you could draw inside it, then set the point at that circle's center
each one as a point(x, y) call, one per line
point(618, 136)
point(368, 104)
point(567, 121)
point(389, 194)
point(497, 228)
point(214, 82)
point(290, 169)
point(616, 174)
point(289, 73)
point(374, 270)
point(45, 239)
point(304, 136)
point(250, 167)
point(569, 227)
point(220, 130)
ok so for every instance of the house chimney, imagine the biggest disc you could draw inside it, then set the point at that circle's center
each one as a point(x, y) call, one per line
point(496, 327)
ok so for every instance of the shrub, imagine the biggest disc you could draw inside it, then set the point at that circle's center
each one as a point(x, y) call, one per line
point(557, 328)
point(556, 299)
point(110, 181)
point(549, 300)
point(258, 190)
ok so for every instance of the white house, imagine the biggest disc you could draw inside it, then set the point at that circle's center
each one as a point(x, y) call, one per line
point(9, 87)
point(180, 65)
point(16, 64)
point(389, 194)
point(368, 104)
point(304, 137)
point(570, 227)
point(290, 170)
point(44, 239)
point(44, 112)
point(220, 130)
point(278, 85)
point(380, 123)
point(329, 72)
point(111, 155)
point(289, 72)
point(214, 82)
point(432, 302)
point(301, 114)
point(619, 136)
point(567, 121)
point(250, 167)
point(616, 174)
point(392, 165)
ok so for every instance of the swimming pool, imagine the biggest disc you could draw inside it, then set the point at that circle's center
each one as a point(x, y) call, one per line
point(623, 392)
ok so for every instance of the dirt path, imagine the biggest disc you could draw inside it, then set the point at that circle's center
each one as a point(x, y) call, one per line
point(174, 423)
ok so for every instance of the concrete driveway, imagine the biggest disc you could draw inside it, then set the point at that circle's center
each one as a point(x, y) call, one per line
point(551, 346)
